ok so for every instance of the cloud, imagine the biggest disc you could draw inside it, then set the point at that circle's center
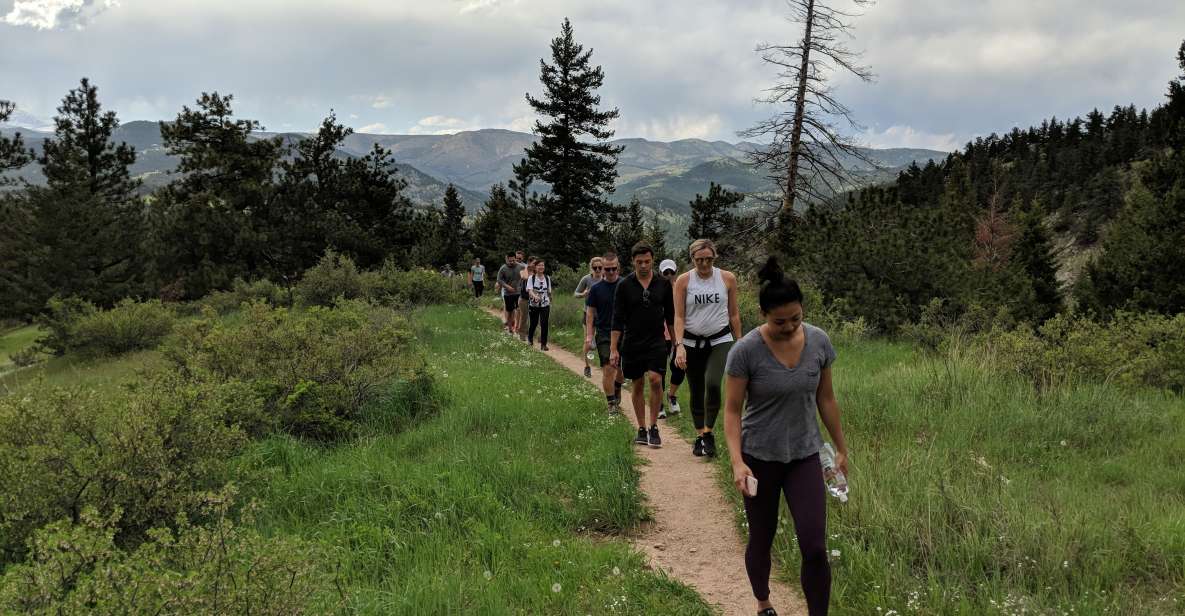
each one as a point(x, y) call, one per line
point(51, 14)
point(675, 127)
point(380, 102)
point(378, 128)
point(470, 6)
point(909, 137)
point(440, 125)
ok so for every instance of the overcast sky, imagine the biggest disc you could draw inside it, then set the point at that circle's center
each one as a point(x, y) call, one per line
point(946, 69)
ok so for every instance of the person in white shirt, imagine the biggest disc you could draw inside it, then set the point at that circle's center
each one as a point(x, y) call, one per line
point(538, 287)
point(707, 322)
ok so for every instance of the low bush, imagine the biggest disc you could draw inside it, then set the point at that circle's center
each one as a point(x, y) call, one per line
point(417, 287)
point(333, 277)
point(25, 357)
point(241, 292)
point(1131, 349)
point(220, 568)
point(149, 451)
point(309, 372)
point(75, 325)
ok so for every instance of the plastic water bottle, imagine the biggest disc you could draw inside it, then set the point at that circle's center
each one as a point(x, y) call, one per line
point(591, 357)
point(837, 484)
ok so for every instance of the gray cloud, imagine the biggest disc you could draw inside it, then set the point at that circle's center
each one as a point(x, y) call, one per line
point(947, 70)
point(51, 14)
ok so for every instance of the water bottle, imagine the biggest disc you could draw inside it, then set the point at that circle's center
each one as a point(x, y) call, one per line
point(837, 484)
point(591, 357)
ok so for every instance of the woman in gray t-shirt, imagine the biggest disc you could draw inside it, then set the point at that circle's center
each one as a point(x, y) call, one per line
point(781, 372)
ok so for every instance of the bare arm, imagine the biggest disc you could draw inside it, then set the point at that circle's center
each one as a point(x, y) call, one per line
point(734, 311)
point(588, 324)
point(829, 412)
point(734, 398)
point(680, 308)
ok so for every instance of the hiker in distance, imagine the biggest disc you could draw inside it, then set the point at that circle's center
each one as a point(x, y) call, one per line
point(477, 278)
point(781, 373)
point(707, 322)
point(508, 285)
point(642, 313)
point(523, 312)
point(669, 270)
point(582, 288)
point(539, 303)
point(598, 328)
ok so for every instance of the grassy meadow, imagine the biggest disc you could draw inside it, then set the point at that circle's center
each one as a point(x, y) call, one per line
point(515, 498)
point(974, 494)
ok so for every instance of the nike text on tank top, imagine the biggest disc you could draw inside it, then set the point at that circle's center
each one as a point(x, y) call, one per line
point(707, 309)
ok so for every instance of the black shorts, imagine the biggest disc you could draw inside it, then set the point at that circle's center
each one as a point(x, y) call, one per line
point(602, 342)
point(511, 302)
point(636, 365)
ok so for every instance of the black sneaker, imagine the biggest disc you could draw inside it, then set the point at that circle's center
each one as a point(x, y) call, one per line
point(543, 347)
point(655, 441)
point(587, 372)
point(769, 611)
point(641, 439)
point(709, 444)
point(698, 448)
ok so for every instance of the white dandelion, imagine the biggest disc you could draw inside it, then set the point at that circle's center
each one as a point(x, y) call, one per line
point(556, 587)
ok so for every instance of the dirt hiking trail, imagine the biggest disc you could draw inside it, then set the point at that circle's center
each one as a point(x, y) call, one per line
point(693, 537)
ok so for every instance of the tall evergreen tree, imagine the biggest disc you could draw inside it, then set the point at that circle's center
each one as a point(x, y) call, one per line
point(657, 238)
point(579, 173)
point(631, 230)
point(1032, 255)
point(712, 217)
point(18, 277)
point(452, 230)
point(209, 225)
point(497, 227)
point(87, 219)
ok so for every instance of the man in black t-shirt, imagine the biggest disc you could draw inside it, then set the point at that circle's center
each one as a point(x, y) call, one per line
point(643, 310)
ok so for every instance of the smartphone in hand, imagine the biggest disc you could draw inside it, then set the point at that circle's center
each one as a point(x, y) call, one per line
point(750, 486)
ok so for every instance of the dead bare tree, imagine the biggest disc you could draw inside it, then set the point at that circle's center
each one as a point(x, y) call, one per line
point(808, 149)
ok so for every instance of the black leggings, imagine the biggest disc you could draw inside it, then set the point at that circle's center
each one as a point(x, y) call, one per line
point(802, 483)
point(538, 315)
point(479, 287)
point(705, 370)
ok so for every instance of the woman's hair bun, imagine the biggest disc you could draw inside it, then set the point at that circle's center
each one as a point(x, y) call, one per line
point(770, 272)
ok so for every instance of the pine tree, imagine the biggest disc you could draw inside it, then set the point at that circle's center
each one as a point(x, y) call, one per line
point(657, 238)
point(497, 228)
point(20, 288)
point(631, 230)
point(579, 173)
point(13, 154)
point(452, 230)
point(87, 219)
point(1032, 255)
point(210, 225)
point(711, 218)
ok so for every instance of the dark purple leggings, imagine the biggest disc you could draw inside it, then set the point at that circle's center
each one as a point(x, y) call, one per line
point(802, 483)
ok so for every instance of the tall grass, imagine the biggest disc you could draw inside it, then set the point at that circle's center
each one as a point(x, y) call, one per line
point(512, 500)
point(974, 494)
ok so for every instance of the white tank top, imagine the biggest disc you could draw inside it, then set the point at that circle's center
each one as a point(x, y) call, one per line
point(707, 307)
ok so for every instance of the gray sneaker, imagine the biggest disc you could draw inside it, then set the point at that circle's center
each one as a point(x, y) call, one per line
point(662, 412)
point(675, 410)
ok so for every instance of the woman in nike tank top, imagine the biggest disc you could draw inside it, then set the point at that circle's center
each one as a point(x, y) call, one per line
point(707, 322)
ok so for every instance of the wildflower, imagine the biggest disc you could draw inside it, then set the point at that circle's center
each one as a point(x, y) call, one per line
point(488, 574)
point(835, 553)
point(556, 587)
point(616, 571)
point(556, 543)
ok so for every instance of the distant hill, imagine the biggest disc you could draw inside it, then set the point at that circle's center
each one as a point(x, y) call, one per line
point(664, 175)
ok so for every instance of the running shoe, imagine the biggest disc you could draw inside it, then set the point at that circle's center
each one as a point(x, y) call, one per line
point(662, 412)
point(709, 444)
point(641, 439)
point(655, 441)
point(614, 407)
point(769, 611)
point(697, 449)
point(675, 406)
point(543, 347)
point(587, 372)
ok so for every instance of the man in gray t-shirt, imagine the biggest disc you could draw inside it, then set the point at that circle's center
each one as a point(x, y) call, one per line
point(508, 285)
point(779, 423)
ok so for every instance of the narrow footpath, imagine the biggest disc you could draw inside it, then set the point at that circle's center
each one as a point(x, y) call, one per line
point(693, 537)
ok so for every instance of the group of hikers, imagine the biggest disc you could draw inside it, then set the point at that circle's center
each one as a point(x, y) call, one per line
point(653, 320)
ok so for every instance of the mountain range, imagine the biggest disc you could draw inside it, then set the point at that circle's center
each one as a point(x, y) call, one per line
point(665, 176)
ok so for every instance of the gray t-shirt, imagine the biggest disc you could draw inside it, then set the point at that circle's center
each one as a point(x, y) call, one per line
point(479, 273)
point(585, 284)
point(509, 275)
point(779, 423)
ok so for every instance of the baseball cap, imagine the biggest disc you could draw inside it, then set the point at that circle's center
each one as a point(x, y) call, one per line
point(667, 264)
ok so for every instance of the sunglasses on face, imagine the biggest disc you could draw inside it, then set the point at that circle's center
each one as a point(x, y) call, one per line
point(609, 269)
point(597, 269)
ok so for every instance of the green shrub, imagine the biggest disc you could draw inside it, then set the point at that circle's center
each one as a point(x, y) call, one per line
point(222, 568)
point(309, 373)
point(333, 277)
point(60, 321)
point(241, 292)
point(75, 325)
point(1132, 349)
point(148, 450)
point(417, 287)
point(25, 357)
